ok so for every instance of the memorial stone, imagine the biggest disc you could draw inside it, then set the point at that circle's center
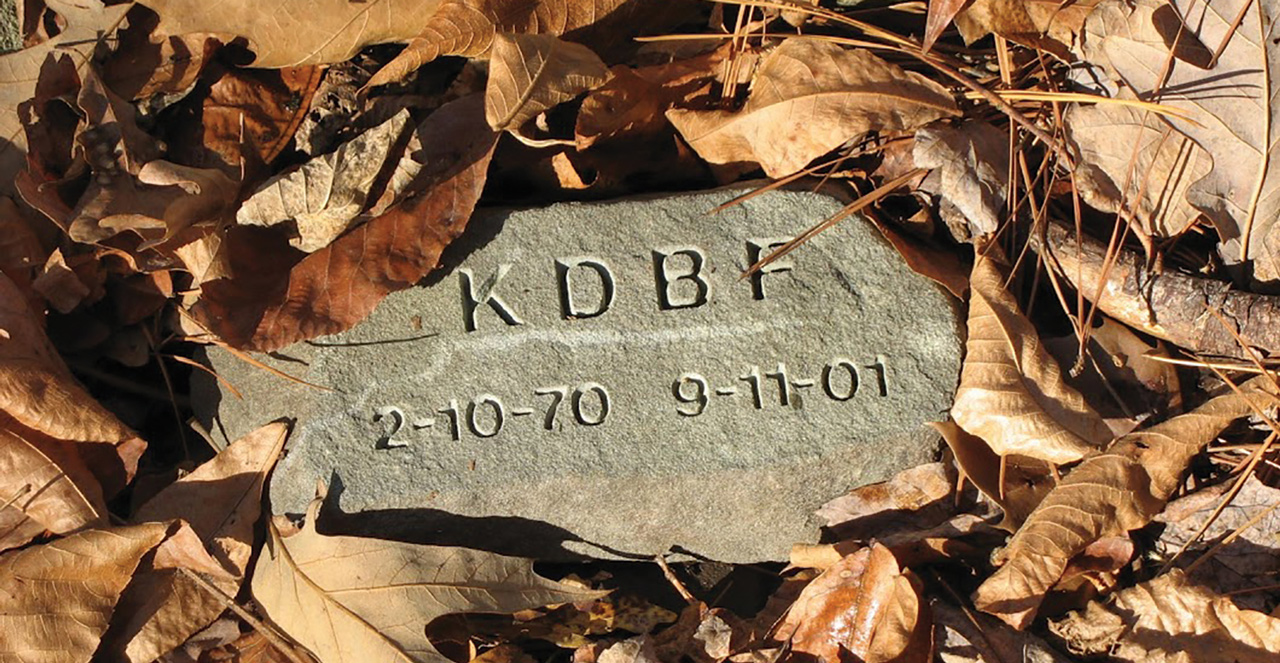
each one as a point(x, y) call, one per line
point(601, 380)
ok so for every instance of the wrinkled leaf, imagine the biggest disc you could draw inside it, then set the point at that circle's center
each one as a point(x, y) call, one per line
point(1012, 394)
point(1049, 25)
point(291, 33)
point(808, 98)
point(56, 599)
point(1171, 620)
point(529, 74)
point(865, 606)
point(1109, 494)
point(323, 198)
point(973, 166)
point(221, 501)
point(354, 599)
point(336, 287)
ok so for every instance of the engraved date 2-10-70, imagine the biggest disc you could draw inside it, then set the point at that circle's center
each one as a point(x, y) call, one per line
point(486, 415)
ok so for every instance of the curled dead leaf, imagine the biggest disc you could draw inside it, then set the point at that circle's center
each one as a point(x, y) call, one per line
point(1171, 620)
point(865, 606)
point(808, 98)
point(1012, 394)
point(1109, 494)
point(529, 74)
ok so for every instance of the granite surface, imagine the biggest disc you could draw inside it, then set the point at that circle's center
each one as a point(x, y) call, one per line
point(599, 380)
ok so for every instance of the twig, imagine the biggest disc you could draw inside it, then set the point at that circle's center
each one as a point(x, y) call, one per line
point(260, 626)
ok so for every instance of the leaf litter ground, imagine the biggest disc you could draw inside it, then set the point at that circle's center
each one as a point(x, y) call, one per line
point(1092, 180)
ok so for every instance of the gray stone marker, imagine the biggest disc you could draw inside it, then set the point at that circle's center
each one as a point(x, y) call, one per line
point(598, 379)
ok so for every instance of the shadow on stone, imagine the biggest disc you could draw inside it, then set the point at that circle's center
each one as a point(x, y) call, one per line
point(519, 537)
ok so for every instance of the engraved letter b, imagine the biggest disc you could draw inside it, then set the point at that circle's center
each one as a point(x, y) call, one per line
point(667, 282)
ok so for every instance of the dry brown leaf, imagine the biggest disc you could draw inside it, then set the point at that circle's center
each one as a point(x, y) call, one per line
point(355, 599)
point(324, 197)
point(56, 599)
point(336, 287)
point(1012, 393)
point(468, 27)
point(1109, 494)
point(865, 606)
point(529, 74)
point(1171, 620)
point(963, 636)
point(915, 498)
point(36, 495)
point(972, 163)
point(1050, 25)
point(59, 285)
point(1026, 480)
point(940, 15)
point(1252, 560)
point(243, 119)
point(38, 391)
point(808, 98)
point(292, 33)
point(86, 21)
point(1133, 161)
point(1231, 112)
point(221, 501)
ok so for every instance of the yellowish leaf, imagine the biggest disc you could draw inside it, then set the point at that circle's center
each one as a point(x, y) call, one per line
point(808, 98)
point(529, 74)
point(1109, 494)
point(1012, 393)
point(352, 599)
point(56, 599)
point(1171, 620)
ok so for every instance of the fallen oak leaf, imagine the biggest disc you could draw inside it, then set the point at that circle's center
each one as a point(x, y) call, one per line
point(1109, 494)
point(56, 599)
point(1134, 163)
point(339, 285)
point(808, 98)
point(221, 502)
point(354, 599)
point(529, 74)
point(1170, 620)
point(1012, 393)
point(1229, 110)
